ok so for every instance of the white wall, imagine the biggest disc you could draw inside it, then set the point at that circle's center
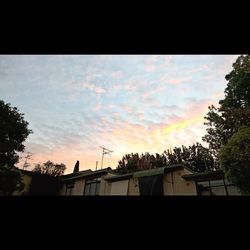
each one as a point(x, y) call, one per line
point(119, 188)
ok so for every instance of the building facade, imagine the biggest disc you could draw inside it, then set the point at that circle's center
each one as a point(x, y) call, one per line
point(170, 180)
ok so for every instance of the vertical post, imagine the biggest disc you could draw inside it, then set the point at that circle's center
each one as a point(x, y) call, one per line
point(96, 165)
point(102, 157)
point(104, 151)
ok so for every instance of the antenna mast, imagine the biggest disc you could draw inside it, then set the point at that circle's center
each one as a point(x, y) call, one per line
point(105, 151)
point(26, 164)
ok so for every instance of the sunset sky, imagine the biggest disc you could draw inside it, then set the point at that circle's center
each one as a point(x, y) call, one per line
point(126, 103)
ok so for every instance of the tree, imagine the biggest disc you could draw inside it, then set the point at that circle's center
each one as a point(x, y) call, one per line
point(235, 159)
point(13, 132)
point(50, 168)
point(223, 123)
point(234, 109)
point(10, 180)
point(237, 92)
point(128, 163)
point(76, 168)
point(195, 157)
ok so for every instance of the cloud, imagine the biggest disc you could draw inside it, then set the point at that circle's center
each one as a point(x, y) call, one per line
point(178, 80)
point(150, 64)
point(94, 88)
point(116, 74)
point(123, 87)
point(151, 103)
point(150, 67)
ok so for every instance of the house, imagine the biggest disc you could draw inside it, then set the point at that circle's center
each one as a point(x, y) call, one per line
point(212, 183)
point(171, 180)
point(85, 182)
point(39, 184)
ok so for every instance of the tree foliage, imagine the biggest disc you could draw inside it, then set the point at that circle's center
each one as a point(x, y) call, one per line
point(195, 157)
point(237, 92)
point(235, 159)
point(223, 123)
point(234, 109)
point(76, 168)
point(50, 168)
point(10, 180)
point(13, 132)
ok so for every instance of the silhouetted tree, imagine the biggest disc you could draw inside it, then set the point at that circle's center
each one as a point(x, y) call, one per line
point(13, 132)
point(50, 168)
point(234, 109)
point(76, 168)
point(128, 163)
point(235, 159)
point(10, 180)
point(195, 157)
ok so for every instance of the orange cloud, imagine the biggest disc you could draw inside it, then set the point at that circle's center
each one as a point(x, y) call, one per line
point(123, 138)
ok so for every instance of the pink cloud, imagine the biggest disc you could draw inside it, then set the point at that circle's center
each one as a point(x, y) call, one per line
point(116, 74)
point(127, 108)
point(124, 137)
point(174, 80)
point(94, 88)
point(150, 67)
point(151, 64)
point(168, 60)
point(129, 86)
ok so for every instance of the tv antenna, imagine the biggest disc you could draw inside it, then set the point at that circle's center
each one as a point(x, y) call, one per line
point(27, 157)
point(105, 151)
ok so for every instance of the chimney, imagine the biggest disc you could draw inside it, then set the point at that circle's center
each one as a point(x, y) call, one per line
point(76, 168)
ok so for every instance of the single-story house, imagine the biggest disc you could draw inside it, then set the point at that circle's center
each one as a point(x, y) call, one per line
point(85, 182)
point(170, 180)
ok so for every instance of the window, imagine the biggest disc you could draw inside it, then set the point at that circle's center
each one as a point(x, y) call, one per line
point(233, 190)
point(69, 189)
point(203, 188)
point(221, 190)
point(151, 185)
point(92, 188)
point(216, 187)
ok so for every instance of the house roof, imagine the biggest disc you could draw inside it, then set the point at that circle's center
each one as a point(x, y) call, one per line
point(35, 174)
point(118, 177)
point(26, 172)
point(205, 176)
point(77, 173)
point(85, 174)
point(144, 173)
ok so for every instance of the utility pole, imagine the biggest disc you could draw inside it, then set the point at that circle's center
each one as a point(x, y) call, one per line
point(105, 151)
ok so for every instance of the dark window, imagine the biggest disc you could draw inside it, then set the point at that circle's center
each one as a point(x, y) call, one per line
point(216, 187)
point(151, 185)
point(69, 189)
point(92, 188)
point(233, 190)
point(203, 188)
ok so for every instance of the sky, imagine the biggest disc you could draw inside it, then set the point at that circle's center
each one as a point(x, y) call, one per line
point(127, 103)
